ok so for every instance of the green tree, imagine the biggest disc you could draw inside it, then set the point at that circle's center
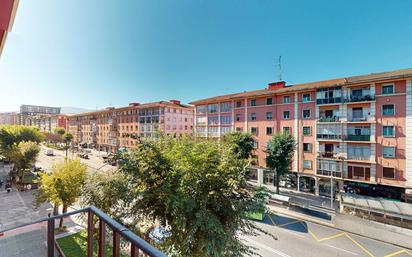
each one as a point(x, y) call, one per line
point(11, 135)
point(241, 142)
point(62, 186)
point(67, 139)
point(279, 153)
point(23, 155)
point(195, 189)
point(59, 131)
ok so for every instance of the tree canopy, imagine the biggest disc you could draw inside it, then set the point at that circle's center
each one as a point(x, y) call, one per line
point(59, 131)
point(196, 190)
point(279, 153)
point(11, 135)
point(241, 143)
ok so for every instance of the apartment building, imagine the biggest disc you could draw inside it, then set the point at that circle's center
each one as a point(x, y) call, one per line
point(353, 132)
point(47, 123)
point(8, 118)
point(29, 113)
point(113, 128)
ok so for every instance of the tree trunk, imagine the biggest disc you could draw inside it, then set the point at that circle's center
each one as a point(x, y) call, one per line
point(277, 181)
point(67, 148)
point(56, 209)
point(61, 219)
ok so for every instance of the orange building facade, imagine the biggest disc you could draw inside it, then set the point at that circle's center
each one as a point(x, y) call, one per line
point(114, 128)
point(351, 133)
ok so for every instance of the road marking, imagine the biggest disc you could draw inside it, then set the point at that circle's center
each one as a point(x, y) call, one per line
point(360, 246)
point(331, 237)
point(396, 253)
point(268, 248)
point(337, 248)
point(294, 233)
point(270, 217)
point(289, 223)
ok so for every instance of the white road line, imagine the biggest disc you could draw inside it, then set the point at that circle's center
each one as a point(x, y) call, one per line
point(277, 252)
point(292, 233)
point(337, 248)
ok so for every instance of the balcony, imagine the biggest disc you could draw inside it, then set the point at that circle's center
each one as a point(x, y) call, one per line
point(359, 157)
point(329, 119)
point(33, 236)
point(329, 155)
point(358, 137)
point(365, 97)
point(329, 168)
point(329, 100)
point(329, 136)
point(364, 118)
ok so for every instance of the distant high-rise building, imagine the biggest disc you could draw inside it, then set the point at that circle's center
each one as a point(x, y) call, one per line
point(28, 113)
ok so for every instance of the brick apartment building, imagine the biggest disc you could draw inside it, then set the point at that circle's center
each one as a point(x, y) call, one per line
point(354, 131)
point(47, 123)
point(8, 118)
point(113, 128)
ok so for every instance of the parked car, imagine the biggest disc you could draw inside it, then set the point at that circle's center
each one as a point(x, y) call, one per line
point(49, 152)
point(83, 155)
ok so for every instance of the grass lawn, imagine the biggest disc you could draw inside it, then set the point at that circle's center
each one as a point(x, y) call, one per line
point(76, 245)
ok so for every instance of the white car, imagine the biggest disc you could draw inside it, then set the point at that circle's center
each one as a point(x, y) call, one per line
point(49, 152)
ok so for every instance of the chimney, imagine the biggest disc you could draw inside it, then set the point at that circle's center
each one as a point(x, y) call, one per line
point(276, 85)
point(175, 101)
point(133, 104)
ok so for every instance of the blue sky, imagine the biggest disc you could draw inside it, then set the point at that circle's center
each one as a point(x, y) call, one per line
point(98, 53)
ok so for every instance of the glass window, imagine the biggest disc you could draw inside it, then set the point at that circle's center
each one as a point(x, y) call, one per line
point(388, 152)
point(226, 119)
point(238, 117)
point(388, 109)
point(239, 129)
point(307, 147)
point(253, 116)
point(269, 116)
point(238, 104)
point(255, 144)
point(213, 120)
point(254, 131)
point(286, 99)
point(226, 107)
point(269, 130)
point(286, 115)
point(286, 130)
point(388, 89)
point(307, 164)
point(388, 131)
point(253, 102)
point(306, 114)
point(269, 101)
point(306, 98)
point(307, 131)
point(212, 108)
point(388, 172)
point(225, 130)
point(201, 109)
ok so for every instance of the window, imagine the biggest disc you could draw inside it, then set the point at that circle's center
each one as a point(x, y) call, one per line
point(226, 107)
point(254, 131)
point(307, 147)
point(253, 102)
point(388, 172)
point(213, 120)
point(306, 114)
point(226, 119)
point(286, 115)
point(239, 129)
point(269, 101)
point(238, 104)
point(388, 89)
point(307, 164)
point(255, 144)
point(269, 131)
point(201, 109)
point(269, 116)
point(388, 109)
point(253, 116)
point(306, 98)
point(286, 99)
point(212, 108)
point(238, 117)
point(307, 131)
point(388, 152)
point(388, 131)
point(200, 120)
point(286, 130)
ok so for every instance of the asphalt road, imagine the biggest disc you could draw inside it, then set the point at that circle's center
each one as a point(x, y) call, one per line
point(301, 238)
point(94, 162)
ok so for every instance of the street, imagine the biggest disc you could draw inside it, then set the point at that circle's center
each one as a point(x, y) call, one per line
point(93, 163)
point(302, 238)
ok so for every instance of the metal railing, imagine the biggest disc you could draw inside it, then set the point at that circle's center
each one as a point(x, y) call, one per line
point(137, 244)
point(336, 174)
point(358, 137)
point(329, 136)
point(329, 119)
point(363, 98)
point(331, 155)
point(330, 100)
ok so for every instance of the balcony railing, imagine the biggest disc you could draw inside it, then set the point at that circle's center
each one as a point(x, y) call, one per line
point(336, 174)
point(359, 157)
point(363, 98)
point(358, 137)
point(331, 100)
point(363, 118)
point(329, 136)
point(329, 119)
point(136, 245)
point(330, 155)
